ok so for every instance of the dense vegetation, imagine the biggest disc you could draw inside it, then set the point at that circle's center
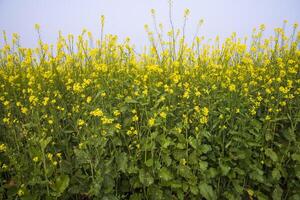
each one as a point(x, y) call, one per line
point(96, 120)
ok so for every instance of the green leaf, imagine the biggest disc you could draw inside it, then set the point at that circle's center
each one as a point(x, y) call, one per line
point(165, 142)
point(81, 156)
point(165, 174)
point(192, 142)
point(145, 177)
point(61, 183)
point(108, 184)
point(44, 142)
point(136, 196)
point(294, 197)
point(212, 172)
point(261, 196)
point(203, 165)
point(276, 174)
point(296, 157)
point(122, 161)
point(205, 148)
point(166, 159)
point(277, 193)
point(207, 191)
point(224, 169)
point(194, 189)
point(185, 172)
point(271, 154)
point(149, 162)
point(155, 193)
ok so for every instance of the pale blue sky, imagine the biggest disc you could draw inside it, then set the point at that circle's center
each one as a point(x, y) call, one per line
point(127, 17)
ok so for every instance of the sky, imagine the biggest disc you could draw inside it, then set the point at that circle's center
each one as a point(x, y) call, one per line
point(126, 18)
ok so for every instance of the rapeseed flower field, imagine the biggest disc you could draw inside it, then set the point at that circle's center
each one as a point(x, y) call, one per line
point(178, 121)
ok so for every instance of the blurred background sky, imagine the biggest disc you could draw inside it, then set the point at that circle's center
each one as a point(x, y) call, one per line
point(127, 17)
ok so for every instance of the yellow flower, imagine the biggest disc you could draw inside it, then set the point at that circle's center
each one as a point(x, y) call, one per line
point(183, 161)
point(268, 91)
point(282, 103)
point(103, 94)
point(106, 120)
point(6, 103)
point(45, 102)
point(4, 167)
point(50, 156)
point(80, 122)
point(35, 159)
point(3, 147)
point(203, 120)
point(81, 145)
point(50, 121)
point(58, 155)
point(151, 122)
point(88, 99)
point(232, 88)
point(5, 120)
point(145, 92)
point(252, 111)
point(96, 113)
point(33, 99)
point(116, 113)
point(205, 111)
point(284, 90)
point(118, 126)
point(77, 88)
point(163, 115)
point(176, 78)
point(135, 118)
point(20, 192)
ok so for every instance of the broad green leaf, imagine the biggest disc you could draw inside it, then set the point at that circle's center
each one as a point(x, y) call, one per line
point(185, 172)
point(44, 142)
point(165, 142)
point(294, 197)
point(276, 174)
point(165, 174)
point(203, 165)
point(277, 193)
point(145, 177)
point(224, 169)
point(261, 196)
point(122, 161)
point(271, 154)
point(212, 172)
point(207, 191)
point(155, 193)
point(108, 184)
point(149, 162)
point(61, 183)
point(194, 189)
point(205, 148)
point(136, 196)
point(166, 159)
point(193, 142)
point(296, 156)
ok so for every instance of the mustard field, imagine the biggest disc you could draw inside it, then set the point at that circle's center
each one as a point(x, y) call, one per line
point(94, 119)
